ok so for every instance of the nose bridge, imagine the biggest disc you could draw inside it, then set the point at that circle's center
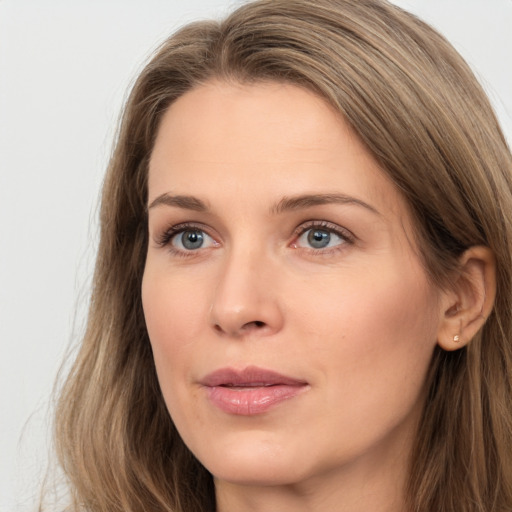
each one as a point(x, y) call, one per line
point(246, 298)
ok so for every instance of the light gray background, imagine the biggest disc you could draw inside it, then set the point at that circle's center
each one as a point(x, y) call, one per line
point(65, 67)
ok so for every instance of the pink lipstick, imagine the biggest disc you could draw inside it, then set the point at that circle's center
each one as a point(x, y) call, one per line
point(250, 391)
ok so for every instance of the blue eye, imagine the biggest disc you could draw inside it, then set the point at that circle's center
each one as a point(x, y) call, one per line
point(191, 240)
point(320, 238)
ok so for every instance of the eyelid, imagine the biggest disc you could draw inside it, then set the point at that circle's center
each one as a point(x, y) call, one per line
point(165, 237)
point(342, 232)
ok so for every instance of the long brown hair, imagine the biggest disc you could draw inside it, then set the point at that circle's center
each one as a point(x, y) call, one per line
point(418, 108)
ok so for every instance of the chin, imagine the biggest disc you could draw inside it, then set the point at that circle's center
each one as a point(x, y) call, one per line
point(256, 473)
point(248, 460)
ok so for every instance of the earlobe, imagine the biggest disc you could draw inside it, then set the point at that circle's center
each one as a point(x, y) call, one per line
point(470, 300)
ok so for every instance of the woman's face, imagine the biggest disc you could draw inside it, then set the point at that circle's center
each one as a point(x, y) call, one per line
point(291, 321)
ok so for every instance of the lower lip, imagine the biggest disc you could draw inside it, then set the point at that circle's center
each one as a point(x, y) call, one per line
point(248, 401)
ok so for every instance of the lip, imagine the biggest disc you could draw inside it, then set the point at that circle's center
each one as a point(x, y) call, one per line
point(250, 391)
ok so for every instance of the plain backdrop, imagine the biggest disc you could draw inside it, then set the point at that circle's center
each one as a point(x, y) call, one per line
point(65, 68)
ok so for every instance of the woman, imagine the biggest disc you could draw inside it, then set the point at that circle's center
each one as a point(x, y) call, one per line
point(302, 292)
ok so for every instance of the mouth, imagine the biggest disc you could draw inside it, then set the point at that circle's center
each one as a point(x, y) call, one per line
point(250, 391)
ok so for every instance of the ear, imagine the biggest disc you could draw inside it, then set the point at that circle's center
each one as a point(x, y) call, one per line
point(469, 300)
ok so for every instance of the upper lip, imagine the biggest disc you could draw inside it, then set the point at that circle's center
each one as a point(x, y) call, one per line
point(249, 376)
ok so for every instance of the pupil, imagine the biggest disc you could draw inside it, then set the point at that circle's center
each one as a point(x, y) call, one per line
point(319, 239)
point(192, 239)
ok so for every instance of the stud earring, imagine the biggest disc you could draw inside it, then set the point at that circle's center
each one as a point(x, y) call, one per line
point(456, 338)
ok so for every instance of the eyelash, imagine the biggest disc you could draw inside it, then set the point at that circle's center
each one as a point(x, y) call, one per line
point(164, 240)
point(344, 234)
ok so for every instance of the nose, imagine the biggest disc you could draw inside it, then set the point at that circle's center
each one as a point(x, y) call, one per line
point(246, 297)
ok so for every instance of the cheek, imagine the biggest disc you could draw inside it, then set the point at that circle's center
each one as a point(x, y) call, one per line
point(373, 340)
point(172, 309)
point(390, 337)
point(373, 310)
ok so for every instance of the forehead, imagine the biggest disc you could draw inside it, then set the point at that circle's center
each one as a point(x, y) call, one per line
point(264, 140)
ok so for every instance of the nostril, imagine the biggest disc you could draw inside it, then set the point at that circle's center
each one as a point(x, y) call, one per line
point(256, 324)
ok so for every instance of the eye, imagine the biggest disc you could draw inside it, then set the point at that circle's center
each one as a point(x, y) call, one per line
point(185, 239)
point(322, 235)
point(317, 238)
point(191, 240)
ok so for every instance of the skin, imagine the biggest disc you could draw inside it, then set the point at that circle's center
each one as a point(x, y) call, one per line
point(357, 320)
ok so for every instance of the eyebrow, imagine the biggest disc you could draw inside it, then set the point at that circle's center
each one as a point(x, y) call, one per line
point(184, 202)
point(310, 200)
point(285, 204)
